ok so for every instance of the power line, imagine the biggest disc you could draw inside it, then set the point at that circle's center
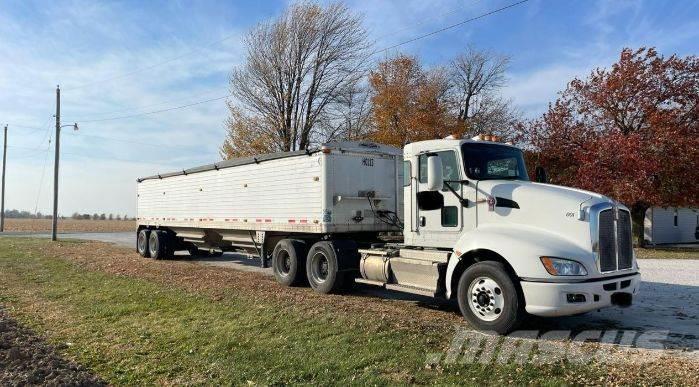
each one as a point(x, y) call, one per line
point(157, 111)
point(85, 155)
point(451, 26)
point(421, 22)
point(211, 91)
point(30, 129)
point(149, 105)
point(138, 161)
point(79, 134)
point(372, 54)
point(43, 172)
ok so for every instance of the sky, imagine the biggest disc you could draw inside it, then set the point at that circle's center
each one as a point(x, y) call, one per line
point(115, 60)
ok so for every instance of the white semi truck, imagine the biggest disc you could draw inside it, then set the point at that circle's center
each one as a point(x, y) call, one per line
point(474, 227)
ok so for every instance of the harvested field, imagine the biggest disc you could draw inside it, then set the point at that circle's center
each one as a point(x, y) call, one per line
point(69, 225)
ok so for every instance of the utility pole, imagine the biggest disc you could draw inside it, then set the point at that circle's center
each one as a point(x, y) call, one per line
point(2, 202)
point(54, 220)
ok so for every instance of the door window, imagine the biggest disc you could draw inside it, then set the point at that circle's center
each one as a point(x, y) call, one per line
point(450, 216)
point(450, 168)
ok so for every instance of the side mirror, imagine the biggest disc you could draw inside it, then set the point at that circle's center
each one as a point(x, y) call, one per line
point(435, 180)
point(541, 175)
point(430, 200)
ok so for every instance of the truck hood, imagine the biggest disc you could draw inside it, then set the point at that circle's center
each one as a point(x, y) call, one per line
point(526, 193)
point(549, 208)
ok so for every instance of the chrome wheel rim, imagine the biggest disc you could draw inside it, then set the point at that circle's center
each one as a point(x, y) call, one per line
point(319, 267)
point(485, 298)
point(284, 263)
point(142, 242)
point(153, 244)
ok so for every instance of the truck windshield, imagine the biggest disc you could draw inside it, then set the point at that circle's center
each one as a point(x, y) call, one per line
point(493, 161)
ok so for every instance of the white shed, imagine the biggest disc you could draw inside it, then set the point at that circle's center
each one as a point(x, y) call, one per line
point(671, 225)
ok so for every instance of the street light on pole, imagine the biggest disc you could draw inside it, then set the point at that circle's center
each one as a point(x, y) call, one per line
point(54, 220)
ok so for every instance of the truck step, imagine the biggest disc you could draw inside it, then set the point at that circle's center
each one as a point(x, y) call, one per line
point(400, 288)
point(369, 282)
point(411, 289)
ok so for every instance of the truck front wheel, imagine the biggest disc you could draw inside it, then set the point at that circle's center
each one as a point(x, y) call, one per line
point(289, 262)
point(488, 298)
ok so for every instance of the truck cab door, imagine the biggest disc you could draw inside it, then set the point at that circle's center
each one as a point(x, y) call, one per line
point(443, 227)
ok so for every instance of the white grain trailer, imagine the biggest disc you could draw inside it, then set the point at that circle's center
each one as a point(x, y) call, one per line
point(347, 190)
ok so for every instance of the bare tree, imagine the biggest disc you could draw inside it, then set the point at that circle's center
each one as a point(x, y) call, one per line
point(476, 77)
point(349, 118)
point(298, 67)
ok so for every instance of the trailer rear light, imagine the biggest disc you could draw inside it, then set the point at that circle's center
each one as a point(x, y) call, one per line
point(325, 150)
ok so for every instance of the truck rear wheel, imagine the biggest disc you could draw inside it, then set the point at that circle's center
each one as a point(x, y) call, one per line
point(322, 268)
point(488, 298)
point(142, 243)
point(289, 262)
point(160, 245)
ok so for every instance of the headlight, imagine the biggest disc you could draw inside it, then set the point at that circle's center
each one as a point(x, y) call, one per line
point(560, 266)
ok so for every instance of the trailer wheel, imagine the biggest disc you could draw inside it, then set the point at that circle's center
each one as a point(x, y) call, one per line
point(322, 268)
point(160, 245)
point(142, 243)
point(288, 262)
point(488, 298)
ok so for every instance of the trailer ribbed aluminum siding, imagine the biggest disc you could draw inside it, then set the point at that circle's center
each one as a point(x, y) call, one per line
point(323, 191)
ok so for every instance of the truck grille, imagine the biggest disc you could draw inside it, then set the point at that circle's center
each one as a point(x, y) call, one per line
point(607, 252)
point(615, 244)
point(624, 241)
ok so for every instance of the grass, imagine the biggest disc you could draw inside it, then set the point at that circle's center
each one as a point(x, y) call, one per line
point(667, 253)
point(132, 331)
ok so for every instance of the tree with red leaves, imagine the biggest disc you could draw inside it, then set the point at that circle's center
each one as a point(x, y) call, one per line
point(630, 132)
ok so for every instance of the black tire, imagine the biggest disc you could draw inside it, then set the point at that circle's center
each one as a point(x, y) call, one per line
point(289, 262)
point(500, 302)
point(142, 243)
point(160, 245)
point(322, 268)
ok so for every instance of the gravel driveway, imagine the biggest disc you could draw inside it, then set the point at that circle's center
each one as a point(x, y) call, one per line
point(668, 301)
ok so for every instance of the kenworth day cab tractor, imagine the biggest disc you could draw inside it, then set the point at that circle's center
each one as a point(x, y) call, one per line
point(474, 227)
